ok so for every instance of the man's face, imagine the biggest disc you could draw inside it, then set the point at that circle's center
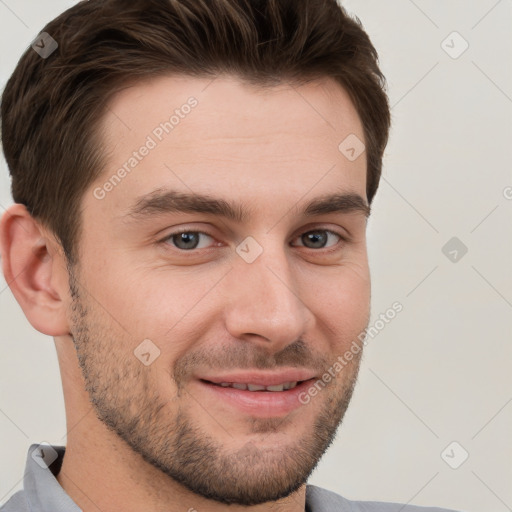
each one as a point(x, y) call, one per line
point(218, 307)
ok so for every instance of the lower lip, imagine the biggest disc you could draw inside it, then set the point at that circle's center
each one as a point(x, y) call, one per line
point(262, 404)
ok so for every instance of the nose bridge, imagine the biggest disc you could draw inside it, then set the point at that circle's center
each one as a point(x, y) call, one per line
point(265, 302)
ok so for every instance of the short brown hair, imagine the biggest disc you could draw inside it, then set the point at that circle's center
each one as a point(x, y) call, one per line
point(51, 108)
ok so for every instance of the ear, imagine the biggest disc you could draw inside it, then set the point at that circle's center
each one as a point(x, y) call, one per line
point(35, 270)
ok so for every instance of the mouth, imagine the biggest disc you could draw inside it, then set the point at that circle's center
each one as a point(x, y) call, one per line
point(242, 386)
point(257, 394)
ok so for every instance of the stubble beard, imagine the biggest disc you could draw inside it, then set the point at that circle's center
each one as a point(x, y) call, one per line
point(125, 400)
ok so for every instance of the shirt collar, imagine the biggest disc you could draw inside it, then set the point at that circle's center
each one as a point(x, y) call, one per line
point(43, 491)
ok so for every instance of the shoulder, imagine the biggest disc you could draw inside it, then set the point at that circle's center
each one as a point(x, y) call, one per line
point(16, 503)
point(322, 500)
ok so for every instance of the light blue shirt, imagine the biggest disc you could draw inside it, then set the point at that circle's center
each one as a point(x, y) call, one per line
point(43, 493)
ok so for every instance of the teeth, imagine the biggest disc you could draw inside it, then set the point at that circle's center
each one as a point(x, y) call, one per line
point(277, 387)
point(257, 387)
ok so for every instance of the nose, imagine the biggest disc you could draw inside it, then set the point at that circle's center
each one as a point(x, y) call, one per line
point(265, 305)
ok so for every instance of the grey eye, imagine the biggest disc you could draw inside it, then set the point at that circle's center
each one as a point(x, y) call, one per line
point(317, 239)
point(189, 240)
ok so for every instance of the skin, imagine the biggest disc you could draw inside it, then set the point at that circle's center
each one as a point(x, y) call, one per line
point(132, 427)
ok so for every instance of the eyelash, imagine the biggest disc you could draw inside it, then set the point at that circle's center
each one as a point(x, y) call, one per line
point(335, 247)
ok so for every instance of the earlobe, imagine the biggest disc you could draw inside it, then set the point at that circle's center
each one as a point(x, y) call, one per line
point(34, 270)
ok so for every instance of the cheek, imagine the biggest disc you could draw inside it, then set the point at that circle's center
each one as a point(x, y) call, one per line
point(343, 305)
point(169, 307)
point(354, 289)
point(355, 284)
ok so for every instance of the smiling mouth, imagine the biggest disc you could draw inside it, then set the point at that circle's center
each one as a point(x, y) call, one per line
point(258, 395)
point(285, 386)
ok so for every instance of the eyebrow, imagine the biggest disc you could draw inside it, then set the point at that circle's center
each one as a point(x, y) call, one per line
point(162, 201)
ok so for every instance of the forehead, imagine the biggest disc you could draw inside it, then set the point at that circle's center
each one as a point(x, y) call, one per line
point(231, 107)
point(225, 136)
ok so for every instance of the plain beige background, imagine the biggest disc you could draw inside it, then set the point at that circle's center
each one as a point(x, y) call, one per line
point(439, 372)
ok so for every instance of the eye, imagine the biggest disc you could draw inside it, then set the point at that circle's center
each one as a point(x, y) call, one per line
point(188, 240)
point(319, 238)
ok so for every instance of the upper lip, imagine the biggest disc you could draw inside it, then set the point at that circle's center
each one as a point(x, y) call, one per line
point(261, 378)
